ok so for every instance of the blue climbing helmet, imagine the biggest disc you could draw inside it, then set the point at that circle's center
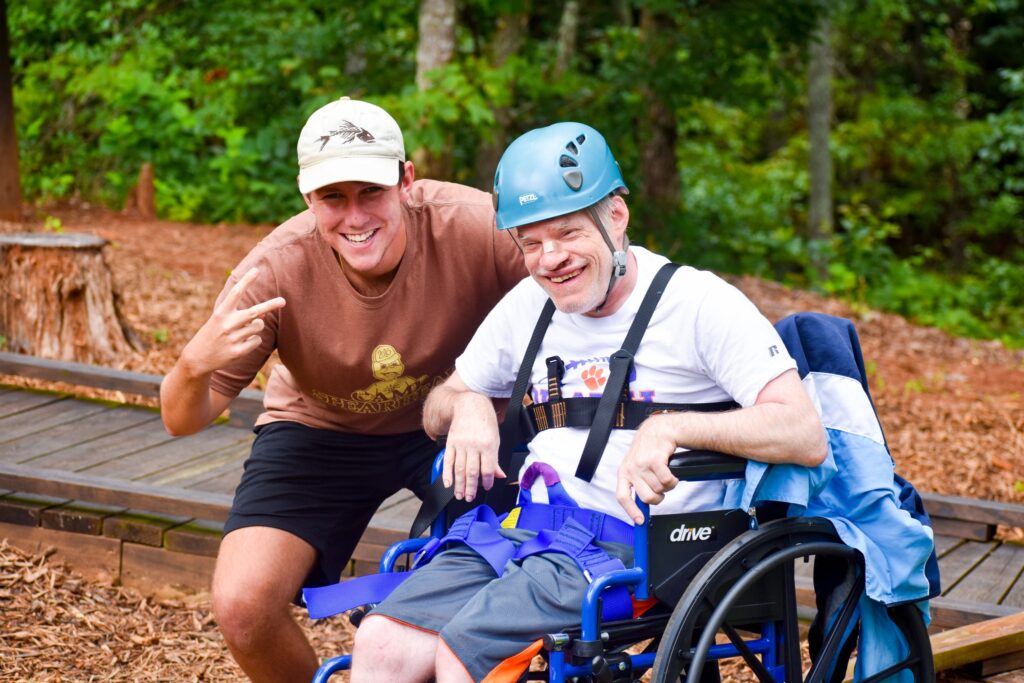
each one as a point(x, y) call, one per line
point(554, 171)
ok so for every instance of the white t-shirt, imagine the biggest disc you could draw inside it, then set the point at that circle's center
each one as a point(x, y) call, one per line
point(706, 343)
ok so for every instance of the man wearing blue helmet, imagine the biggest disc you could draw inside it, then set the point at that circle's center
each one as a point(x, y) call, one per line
point(474, 610)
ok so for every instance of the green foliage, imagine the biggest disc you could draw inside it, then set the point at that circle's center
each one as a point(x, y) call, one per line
point(927, 140)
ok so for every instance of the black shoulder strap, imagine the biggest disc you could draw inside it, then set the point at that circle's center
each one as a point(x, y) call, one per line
point(437, 497)
point(510, 429)
point(620, 364)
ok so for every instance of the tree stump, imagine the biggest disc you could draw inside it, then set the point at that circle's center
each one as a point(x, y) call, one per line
point(57, 299)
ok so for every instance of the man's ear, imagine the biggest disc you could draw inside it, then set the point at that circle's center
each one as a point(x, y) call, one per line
point(619, 219)
point(408, 176)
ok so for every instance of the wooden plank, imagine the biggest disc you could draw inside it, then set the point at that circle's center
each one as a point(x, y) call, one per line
point(81, 456)
point(944, 544)
point(957, 564)
point(26, 508)
point(158, 458)
point(1015, 596)
point(974, 531)
point(78, 517)
point(134, 526)
point(46, 417)
point(80, 374)
point(992, 579)
point(976, 642)
point(199, 467)
point(198, 537)
point(112, 420)
point(110, 491)
point(948, 613)
point(153, 569)
point(998, 665)
point(233, 460)
point(224, 483)
point(972, 510)
point(244, 408)
point(15, 402)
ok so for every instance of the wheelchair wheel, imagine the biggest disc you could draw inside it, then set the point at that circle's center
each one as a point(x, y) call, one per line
point(742, 606)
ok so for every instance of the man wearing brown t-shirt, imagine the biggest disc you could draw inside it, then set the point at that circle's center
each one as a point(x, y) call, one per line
point(367, 297)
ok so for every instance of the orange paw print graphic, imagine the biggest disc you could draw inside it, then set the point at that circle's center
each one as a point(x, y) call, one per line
point(594, 377)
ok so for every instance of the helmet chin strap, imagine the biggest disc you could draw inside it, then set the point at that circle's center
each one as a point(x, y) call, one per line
point(619, 257)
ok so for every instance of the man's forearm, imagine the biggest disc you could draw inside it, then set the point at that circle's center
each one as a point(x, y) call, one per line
point(438, 411)
point(769, 432)
point(185, 404)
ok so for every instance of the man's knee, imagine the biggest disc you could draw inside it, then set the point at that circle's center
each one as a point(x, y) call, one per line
point(253, 588)
point(376, 637)
point(386, 646)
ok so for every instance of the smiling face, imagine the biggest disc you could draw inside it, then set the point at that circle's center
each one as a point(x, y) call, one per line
point(569, 258)
point(363, 224)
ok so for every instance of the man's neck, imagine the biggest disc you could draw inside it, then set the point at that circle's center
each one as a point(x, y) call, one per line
point(364, 284)
point(620, 291)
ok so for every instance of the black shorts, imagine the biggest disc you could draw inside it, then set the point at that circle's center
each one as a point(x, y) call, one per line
point(324, 486)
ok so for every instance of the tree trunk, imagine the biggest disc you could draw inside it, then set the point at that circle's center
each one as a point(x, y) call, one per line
point(57, 299)
point(567, 30)
point(507, 41)
point(658, 132)
point(142, 199)
point(10, 180)
point(819, 121)
point(435, 49)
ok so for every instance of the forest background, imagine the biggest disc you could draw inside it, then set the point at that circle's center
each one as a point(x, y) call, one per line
point(869, 149)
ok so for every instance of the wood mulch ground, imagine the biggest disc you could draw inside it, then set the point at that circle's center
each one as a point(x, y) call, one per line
point(952, 409)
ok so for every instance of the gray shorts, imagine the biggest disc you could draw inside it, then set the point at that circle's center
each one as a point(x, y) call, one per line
point(494, 625)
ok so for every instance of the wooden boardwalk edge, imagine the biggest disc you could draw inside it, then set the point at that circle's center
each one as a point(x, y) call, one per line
point(108, 491)
point(972, 643)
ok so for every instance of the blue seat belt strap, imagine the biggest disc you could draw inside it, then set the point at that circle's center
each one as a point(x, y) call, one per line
point(327, 601)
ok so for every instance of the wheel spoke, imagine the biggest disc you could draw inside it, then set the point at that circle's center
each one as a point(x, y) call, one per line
point(791, 625)
point(836, 635)
point(748, 655)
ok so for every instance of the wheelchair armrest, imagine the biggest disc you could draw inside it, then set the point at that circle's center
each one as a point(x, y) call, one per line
point(700, 465)
point(396, 550)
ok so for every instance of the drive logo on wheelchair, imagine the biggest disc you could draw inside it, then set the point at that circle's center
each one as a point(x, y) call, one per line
point(684, 534)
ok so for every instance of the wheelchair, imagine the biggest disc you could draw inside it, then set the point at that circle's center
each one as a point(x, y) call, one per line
point(721, 587)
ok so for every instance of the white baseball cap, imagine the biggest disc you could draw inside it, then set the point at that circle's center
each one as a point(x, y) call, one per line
point(349, 140)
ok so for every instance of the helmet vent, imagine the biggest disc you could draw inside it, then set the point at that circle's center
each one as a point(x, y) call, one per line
point(566, 161)
point(573, 178)
point(572, 148)
point(581, 138)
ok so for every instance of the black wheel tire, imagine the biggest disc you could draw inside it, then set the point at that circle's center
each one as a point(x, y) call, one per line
point(702, 609)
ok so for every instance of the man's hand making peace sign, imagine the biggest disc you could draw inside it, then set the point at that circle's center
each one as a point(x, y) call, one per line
point(187, 402)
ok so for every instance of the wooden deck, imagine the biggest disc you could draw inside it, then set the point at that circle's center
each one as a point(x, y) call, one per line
point(73, 449)
point(66, 447)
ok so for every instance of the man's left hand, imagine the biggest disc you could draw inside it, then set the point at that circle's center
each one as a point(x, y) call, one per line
point(645, 470)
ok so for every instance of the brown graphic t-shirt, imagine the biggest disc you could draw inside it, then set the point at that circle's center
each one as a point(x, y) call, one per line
point(365, 364)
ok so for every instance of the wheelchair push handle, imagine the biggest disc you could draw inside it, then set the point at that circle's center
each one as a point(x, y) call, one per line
point(702, 465)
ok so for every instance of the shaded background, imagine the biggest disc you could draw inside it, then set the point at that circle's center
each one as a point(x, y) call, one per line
point(869, 149)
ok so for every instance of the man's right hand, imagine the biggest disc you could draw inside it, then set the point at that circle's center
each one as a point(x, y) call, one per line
point(230, 333)
point(471, 449)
